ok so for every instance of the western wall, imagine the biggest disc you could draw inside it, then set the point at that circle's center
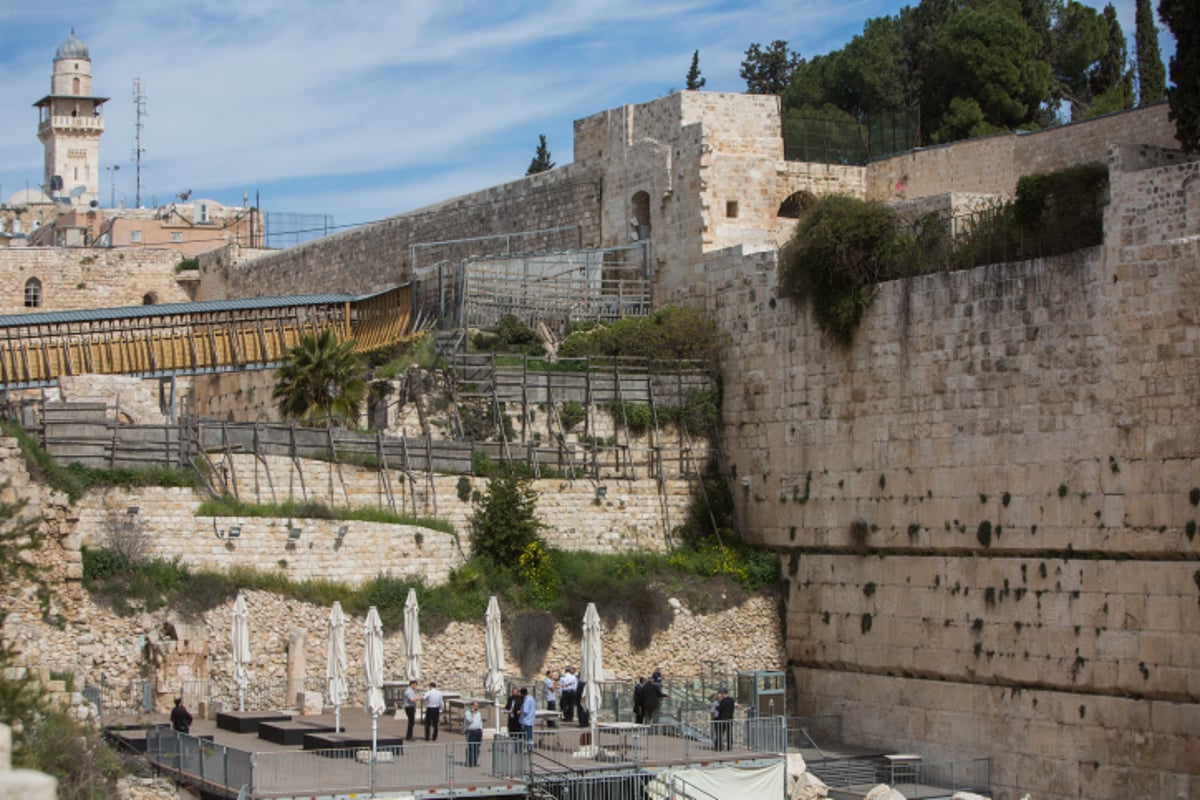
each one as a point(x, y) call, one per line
point(987, 506)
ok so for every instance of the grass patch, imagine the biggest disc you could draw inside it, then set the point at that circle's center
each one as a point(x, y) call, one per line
point(227, 506)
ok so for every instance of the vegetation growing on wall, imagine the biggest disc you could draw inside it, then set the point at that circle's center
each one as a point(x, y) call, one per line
point(843, 247)
point(674, 332)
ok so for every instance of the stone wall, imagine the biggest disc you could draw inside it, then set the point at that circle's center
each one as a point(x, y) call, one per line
point(380, 254)
point(993, 164)
point(985, 505)
point(78, 278)
point(633, 515)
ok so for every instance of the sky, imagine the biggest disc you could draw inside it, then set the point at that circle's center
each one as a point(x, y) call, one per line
point(362, 110)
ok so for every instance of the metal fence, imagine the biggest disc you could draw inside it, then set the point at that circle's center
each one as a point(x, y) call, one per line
point(822, 140)
point(564, 763)
point(553, 288)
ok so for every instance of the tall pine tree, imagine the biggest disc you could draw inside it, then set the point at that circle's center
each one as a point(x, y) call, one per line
point(694, 81)
point(1184, 95)
point(541, 158)
point(1152, 77)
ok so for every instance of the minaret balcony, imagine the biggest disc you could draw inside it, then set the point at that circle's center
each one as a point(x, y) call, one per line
point(72, 123)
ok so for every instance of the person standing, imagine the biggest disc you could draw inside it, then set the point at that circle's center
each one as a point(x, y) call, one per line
point(652, 696)
point(181, 718)
point(433, 711)
point(513, 709)
point(639, 710)
point(528, 716)
point(723, 721)
point(568, 686)
point(410, 708)
point(473, 723)
point(550, 693)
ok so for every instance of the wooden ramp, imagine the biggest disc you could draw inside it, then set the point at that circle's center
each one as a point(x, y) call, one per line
point(191, 338)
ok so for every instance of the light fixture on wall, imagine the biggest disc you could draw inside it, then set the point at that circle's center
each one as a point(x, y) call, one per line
point(132, 510)
point(235, 531)
point(601, 493)
point(293, 532)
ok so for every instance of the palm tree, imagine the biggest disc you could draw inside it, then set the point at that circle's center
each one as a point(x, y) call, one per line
point(322, 379)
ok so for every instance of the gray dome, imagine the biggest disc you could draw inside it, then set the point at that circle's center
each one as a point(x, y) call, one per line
point(72, 48)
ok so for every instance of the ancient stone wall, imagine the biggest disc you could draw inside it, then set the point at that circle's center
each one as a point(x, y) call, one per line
point(987, 506)
point(632, 515)
point(76, 278)
point(993, 164)
point(380, 254)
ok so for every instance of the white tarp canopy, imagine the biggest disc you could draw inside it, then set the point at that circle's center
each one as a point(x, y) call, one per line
point(735, 782)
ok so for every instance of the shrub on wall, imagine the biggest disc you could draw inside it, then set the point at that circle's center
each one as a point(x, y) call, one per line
point(841, 248)
point(671, 333)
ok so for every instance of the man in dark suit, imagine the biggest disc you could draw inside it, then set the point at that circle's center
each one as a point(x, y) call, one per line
point(723, 721)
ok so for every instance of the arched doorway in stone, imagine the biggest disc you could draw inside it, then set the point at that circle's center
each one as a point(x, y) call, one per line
point(639, 222)
point(795, 204)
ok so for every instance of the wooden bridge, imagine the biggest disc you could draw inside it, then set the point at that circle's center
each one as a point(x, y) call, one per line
point(191, 338)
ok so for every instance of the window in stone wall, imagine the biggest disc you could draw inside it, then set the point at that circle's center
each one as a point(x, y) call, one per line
point(149, 298)
point(639, 223)
point(135, 237)
point(33, 293)
point(731, 209)
point(176, 237)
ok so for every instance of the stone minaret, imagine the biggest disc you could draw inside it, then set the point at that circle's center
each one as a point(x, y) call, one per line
point(69, 126)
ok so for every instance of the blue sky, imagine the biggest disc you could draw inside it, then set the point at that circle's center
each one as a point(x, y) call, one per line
point(364, 110)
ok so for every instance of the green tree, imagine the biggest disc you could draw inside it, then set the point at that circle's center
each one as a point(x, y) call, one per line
point(1111, 78)
point(1183, 19)
point(1079, 42)
point(504, 521)
point(694, 81)
point(769, 71)
point(321, 379)
point(987, 60)
point(1152, 78)
point(541, 158)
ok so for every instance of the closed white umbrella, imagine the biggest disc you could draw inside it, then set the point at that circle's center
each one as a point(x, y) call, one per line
point(241, 648)
point(373, 674)
point(591, 664)
point(412, 637)
point(335, 663)
point(493, 682)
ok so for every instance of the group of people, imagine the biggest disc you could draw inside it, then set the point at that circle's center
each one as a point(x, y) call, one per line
point(647, 699)
point(435, 702)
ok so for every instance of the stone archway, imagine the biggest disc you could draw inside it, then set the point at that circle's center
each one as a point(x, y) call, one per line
point(639, 222)
point(795, 204)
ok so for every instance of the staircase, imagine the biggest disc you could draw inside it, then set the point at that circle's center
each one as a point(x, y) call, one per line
point(844, 772)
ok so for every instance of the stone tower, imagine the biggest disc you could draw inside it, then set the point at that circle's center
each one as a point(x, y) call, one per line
point(69, 125)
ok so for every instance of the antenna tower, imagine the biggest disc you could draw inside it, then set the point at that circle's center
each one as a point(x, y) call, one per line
point(139, 107)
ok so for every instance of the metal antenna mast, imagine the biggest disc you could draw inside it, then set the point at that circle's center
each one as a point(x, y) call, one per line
point(139, 107)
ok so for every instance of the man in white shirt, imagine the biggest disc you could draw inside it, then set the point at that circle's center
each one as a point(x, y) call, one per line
point(550, 693)
point(473, 723)
point(411, 697)
point(433, 710)
point(568, 685)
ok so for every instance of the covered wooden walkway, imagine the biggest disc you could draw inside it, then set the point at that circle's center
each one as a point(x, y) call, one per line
point(191, 338)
